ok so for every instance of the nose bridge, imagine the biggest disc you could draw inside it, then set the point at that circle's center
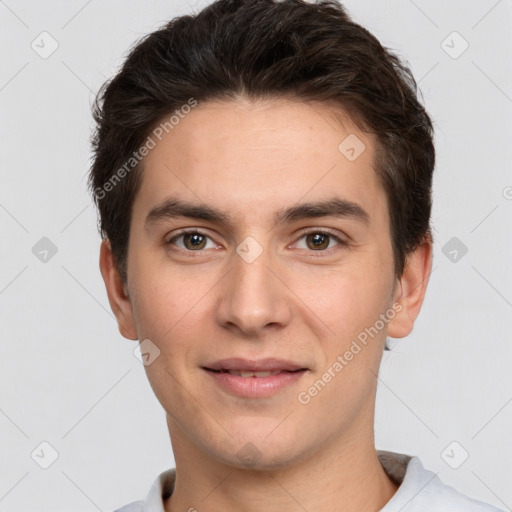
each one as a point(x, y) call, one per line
point(252, 298)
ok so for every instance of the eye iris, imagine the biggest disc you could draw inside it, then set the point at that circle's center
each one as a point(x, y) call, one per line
point(318, 241)
point(194, 241)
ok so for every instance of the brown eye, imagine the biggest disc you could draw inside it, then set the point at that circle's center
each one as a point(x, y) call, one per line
point(320, 241)
point(194, 241)
point(317, 241)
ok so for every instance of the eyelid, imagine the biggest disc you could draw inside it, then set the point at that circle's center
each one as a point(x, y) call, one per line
point(326, 231)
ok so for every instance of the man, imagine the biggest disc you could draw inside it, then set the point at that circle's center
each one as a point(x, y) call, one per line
point(263, 175)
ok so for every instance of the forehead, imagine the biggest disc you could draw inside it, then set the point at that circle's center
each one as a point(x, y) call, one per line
point(246, 156)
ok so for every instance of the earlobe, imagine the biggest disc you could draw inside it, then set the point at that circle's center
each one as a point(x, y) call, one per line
point(410, 290)
point(117, 293)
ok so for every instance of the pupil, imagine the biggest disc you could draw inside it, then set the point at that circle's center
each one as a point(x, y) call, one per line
point(195, 240)
point(319, 241)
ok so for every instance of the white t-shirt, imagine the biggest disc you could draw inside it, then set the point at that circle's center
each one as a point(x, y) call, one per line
point(419, 490)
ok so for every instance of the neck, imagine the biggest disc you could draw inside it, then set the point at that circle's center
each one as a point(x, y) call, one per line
point(339, 477)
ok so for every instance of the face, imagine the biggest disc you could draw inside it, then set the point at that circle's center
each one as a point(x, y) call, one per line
point(258, 243)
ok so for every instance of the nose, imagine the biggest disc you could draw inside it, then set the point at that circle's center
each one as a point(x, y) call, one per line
point(253, 297)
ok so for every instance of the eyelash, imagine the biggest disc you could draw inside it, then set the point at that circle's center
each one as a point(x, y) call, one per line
point(341, 243)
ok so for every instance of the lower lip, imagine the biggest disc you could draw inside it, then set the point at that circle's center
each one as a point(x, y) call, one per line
point(255, 387)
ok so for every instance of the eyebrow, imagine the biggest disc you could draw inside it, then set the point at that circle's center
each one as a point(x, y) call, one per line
point(334, 207)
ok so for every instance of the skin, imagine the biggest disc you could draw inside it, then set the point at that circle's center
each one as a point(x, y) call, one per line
point(294, 301)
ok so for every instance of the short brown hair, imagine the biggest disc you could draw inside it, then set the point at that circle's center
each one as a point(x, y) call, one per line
point(264, 49)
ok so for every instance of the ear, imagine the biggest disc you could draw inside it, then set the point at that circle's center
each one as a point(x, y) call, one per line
point(410, 290)
point(117, 295)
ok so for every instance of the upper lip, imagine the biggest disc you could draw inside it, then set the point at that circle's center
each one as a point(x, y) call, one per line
point(267, 364)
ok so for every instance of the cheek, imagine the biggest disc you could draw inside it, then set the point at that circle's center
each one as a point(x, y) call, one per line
point(176, 317)
point(347, 300)
point(352, 307)
point(156, 309)
point(163, 297)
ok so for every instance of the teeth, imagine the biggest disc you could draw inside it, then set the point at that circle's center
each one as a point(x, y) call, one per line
point(241, 373)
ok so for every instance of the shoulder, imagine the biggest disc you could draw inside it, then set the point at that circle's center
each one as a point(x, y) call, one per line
point(443, 498)
point(154, 502)
point(421, 490)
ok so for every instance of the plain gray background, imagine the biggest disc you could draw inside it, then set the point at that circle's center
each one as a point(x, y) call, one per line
point(67, 376)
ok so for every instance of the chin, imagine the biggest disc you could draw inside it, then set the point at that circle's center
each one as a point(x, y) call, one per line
point(251, 458)
point(257, 453)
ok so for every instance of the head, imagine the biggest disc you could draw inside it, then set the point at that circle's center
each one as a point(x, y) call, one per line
point(292, 147)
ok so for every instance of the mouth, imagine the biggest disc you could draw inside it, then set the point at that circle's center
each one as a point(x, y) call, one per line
point(255, 366)
point(257, 374)
point(254, 378)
